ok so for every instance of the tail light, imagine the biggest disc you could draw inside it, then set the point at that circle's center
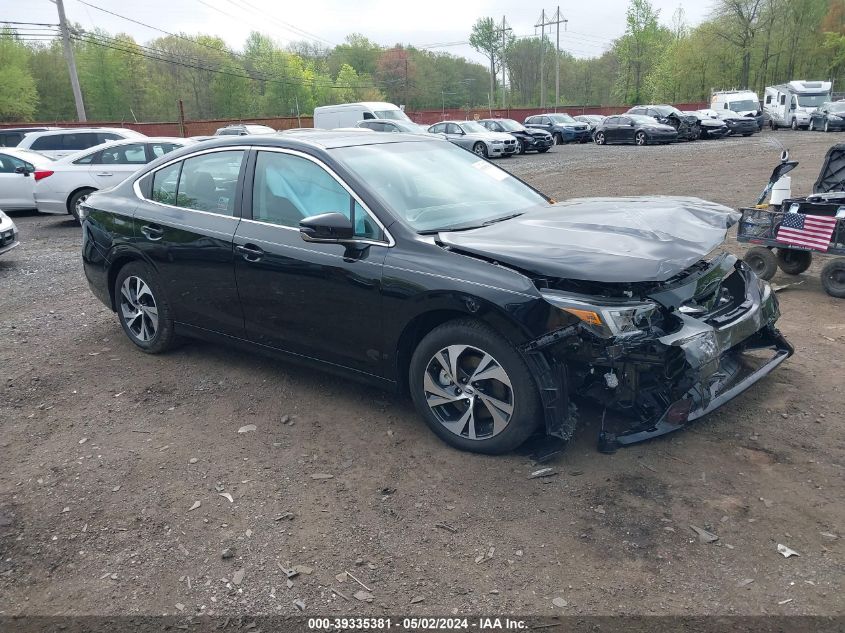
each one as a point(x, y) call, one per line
point(41, 174)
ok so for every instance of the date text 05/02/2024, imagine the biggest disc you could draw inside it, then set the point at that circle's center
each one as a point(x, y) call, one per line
point(417, 624)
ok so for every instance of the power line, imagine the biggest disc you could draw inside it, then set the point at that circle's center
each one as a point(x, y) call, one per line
point(286, 25)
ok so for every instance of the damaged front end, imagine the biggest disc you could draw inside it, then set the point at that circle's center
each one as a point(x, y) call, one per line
point(658, 355)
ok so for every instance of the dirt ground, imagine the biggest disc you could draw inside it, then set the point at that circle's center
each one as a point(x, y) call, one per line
point(106, 451)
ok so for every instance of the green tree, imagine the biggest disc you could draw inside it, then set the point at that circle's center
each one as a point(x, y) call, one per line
point(485, 39)
point(18, 94)
point(639, 49)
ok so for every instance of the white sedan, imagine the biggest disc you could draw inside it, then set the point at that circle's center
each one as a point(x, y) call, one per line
point(17, 177)
point(70, 180)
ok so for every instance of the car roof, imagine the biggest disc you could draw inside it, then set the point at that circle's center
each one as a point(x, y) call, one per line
point(123, 141)
point(322, 139)
point(76, 130)
point(28, 155)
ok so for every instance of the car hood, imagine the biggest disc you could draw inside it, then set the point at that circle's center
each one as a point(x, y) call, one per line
point(614, 240)
point(662, 127)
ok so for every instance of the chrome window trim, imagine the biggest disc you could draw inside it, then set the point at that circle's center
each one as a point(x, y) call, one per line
point(136, 187)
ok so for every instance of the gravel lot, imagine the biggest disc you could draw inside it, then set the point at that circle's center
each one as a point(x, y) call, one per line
point(106, 451)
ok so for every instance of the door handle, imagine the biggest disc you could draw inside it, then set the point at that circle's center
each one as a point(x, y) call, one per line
point(250, 252)
point(105, 173)
point(152, 232)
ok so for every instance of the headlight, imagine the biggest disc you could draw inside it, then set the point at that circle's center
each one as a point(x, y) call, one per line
point(606, 320)
point(704, 345)
point(497, 142)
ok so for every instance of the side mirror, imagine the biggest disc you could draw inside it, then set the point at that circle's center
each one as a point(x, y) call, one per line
point(22, 170)
point(326, 227)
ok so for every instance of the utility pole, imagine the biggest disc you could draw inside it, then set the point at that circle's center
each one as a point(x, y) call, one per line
point(71, 62)
point(542, 26)
point(504, 30)
point(557, 19)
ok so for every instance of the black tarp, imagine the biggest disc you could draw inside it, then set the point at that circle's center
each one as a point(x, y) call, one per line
point(629, 239)
point(832, 174)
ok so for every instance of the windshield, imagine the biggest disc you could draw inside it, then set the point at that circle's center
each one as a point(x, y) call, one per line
point(395, 115)
point(643, 119)
point(510, 125)
point(812, 101)
point(836, 107)
point(562, 118)
point(436, 186)
point(744, 106)
point(473, 127)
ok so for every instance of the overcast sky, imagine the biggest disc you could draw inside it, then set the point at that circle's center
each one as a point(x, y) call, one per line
point(590, 29)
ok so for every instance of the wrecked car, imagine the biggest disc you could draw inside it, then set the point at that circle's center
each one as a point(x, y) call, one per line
point(411, 264)
point(711, 125)
point(687, 125)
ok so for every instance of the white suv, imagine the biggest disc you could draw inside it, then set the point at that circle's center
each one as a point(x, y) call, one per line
point(59, 143)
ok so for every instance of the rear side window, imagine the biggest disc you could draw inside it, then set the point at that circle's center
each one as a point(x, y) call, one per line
point(48, 143)
point(369, 115)
point(160, 149)
point(8, 164)
point(83, 140)
point(166, 183)
point(133, 154)
point(208, 182)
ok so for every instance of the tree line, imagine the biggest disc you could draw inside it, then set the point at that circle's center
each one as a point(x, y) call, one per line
point(744, 43)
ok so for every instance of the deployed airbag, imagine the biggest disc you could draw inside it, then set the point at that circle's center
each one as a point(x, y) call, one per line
point(632, 239)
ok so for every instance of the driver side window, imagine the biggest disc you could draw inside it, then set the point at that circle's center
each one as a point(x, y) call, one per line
point(288, 189)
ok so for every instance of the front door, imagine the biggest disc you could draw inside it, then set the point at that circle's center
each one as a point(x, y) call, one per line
point(321, 301)
point(186, 227)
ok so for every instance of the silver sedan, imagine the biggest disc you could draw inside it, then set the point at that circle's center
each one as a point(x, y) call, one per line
point(476, 138)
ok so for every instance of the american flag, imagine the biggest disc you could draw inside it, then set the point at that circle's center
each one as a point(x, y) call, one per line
point(809, 231)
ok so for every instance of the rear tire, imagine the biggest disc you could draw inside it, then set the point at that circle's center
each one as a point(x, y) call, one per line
point(76, 199)
point(641, 139)
point(833, 278)
point(491, 406)
point(762, 261)
point(793, 262)
point(142, 309)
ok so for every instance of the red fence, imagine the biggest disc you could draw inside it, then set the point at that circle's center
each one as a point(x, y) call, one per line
point(208, 127)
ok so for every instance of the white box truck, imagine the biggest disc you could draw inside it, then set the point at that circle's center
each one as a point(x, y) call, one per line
point(790, 104)
point(733, 103)
point(348, 114)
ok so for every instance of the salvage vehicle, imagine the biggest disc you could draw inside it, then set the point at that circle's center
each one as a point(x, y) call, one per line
point(710, 124)
point(740, 103)
point(562, 127)
point(412, 264)
point(829, 116)
point(685, 124)
point(63, 185)
point(476, 138)
point(527, 139)
point(8, 234)
point(736, 125)
point(633, 128)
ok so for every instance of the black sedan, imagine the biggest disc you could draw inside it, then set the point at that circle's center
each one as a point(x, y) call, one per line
point(527, 139)
point(828, 117)
point(633, 128)
point(415, 265)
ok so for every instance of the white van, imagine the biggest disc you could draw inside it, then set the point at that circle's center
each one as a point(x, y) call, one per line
point(741, 102)
point(791, 104)
point(348, 114)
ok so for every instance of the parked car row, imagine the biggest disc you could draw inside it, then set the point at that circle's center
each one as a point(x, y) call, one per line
point(54, 170)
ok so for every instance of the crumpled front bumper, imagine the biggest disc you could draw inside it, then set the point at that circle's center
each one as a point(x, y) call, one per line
point(724, 362)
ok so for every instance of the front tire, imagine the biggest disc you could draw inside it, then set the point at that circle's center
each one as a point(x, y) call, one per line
point(473, 389)
point(762, 261)
point(812, 126)
point(600, 138)
point(77, 199)
point(558, 138)
point(480, 149)
point(826, 126)
point(793, 262)
point(794, 124)
point(520, 147)
point(142, 308)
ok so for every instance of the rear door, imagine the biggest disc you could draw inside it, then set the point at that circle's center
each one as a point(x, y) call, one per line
point(114, 164)
point(611, 129)
point(321, 301)
point(185, 226)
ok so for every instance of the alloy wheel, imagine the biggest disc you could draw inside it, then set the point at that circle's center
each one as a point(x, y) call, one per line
point(469, 392)
point(478, 148)
point(139, 309)
point(599, 138)
point(640, 139)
